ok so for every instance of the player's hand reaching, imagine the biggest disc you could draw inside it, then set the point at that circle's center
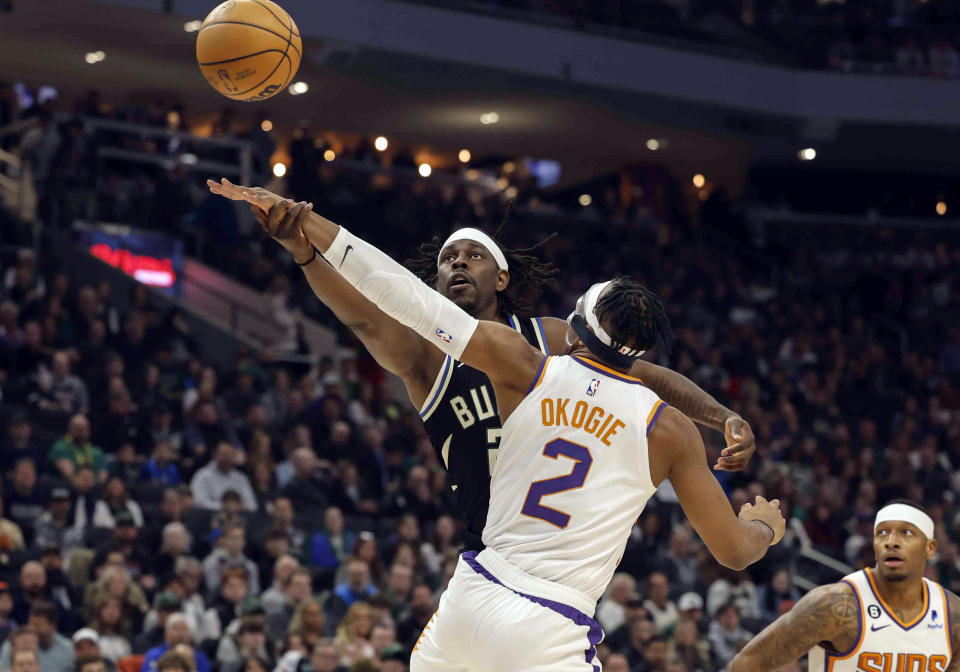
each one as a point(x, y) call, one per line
point(255, 196)
point(767, 513)
point(741, 445)
point(283, 223)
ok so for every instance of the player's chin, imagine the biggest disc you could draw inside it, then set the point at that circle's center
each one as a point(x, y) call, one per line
point(894, 575)
point(465, 299)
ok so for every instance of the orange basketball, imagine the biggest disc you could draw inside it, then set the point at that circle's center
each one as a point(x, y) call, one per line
point(249, 49)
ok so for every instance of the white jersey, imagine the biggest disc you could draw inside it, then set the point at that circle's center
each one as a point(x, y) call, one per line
point(572, 474)
point(887, 644)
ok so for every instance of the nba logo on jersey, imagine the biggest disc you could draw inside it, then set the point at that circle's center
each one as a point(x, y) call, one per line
point(592, 387)
point(443, 336)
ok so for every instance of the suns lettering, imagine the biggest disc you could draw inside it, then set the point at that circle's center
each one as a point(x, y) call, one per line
point(592, 419)
point(871, 661)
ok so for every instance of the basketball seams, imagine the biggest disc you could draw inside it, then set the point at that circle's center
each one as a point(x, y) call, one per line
point(262, 81)
point(279, 20)
point(251, 25)
point(240, 58)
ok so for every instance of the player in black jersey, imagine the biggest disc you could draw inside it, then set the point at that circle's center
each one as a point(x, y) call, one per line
point(456, 402)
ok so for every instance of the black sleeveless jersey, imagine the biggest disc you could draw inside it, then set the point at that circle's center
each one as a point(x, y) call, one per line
point(463, 423)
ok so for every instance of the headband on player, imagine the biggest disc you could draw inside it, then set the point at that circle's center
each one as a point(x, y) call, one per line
point(477, 236)
point(598, 341)
point(904, 513)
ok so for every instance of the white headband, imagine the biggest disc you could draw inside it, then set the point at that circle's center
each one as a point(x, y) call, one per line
point(587, 308)
point(477, 236)
point(904, 513)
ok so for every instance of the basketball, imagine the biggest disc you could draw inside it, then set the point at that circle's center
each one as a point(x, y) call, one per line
point(249, 49)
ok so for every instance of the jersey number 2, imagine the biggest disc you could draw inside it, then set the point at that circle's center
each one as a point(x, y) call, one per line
point(552, 486)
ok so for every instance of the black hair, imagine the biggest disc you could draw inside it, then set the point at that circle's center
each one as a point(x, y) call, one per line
point(528, 274)
point(86, 660)
point(634, 316)
point(907, 502)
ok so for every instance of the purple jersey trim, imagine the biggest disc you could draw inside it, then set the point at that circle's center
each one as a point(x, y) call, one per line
point(595, 633)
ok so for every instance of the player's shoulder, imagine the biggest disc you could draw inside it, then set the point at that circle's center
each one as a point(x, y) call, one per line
point(832, 611)
point(671, 427)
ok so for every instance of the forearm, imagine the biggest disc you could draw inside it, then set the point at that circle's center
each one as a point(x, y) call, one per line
point(755, 538)
point(683, 394)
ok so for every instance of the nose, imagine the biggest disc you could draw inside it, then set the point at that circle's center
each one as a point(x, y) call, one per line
point(460, 262)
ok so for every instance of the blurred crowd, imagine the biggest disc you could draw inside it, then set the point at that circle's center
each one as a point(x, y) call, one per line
point(160, 512)
point(910, 37)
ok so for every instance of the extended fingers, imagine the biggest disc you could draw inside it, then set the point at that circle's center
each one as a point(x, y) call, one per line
point(291, 220)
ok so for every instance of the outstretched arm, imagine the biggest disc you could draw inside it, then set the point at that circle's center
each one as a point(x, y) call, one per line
point(953, 603)
point(497, 350)
point(395, 347)
point(676, 452)
point(828, 614)
point(684, 395)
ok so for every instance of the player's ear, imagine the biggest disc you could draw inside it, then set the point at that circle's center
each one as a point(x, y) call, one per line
point(931, 548)
point(503, 279)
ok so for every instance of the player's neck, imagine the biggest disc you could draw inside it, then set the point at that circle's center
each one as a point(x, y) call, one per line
point(904, 597)
point(585, 353)
point(491, 313)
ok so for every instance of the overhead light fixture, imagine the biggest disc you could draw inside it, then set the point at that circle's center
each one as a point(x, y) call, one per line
point(473, 174)
point(941, 208)
point(488, 118)
point(464, 156)
point(585, 199)
point(425, 170)
point(279, 170)
point(807, 154)
point(192, 26)
point(266, 125)
point(94, 57)
point(381, 143)
point(299, 88)
point(653, 144)
point(329, 155)
point(699, 180)
point(503, 183)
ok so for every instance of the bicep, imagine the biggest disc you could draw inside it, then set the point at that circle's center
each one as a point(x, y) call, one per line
point(828, 614)
point(504, 355)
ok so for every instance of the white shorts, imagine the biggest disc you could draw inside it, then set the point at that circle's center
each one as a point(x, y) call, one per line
point(495, 618)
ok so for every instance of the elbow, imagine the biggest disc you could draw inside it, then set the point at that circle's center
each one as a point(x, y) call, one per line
point(737, 559)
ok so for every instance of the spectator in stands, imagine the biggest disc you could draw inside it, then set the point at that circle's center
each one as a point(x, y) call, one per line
point(331, 545)
point(777, 595)
point(55, 651)
point(443, 545)
point(616, 662)
point(176, 633)
point(19, 445)
point(7, 623)
point(283, 519)
point(165, 605)
point(161, 467)
point(689, 648)
point(309, 623)
point(114, 500)
point(219, 476)
point(353, 635)
point(11, 536)
point(399, 588)
point(91, 664)
point(175, 544)
point(189, 575)
point(944, 60)
point(611, 609)
point(416, 616)
point(306, 490)
point(114, 582)
point(84, 498)
point(86, 644)
point(356, 588)
point(209, 430)
point(114, 630)
point(280, 608)
point(33, 590)
point(726, 636)
point(25, 498)
point(63, 393)
point(124, 539)
point(228, 554)
point(658, 604)
point(690, 606)
point(274, 597)
point(250, 642)
point(234, 589)
point(323, 656)
point(75, 449)
point(174, 662)
point(25, 660)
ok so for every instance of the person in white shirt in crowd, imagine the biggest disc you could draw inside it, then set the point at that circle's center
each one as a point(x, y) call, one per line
point(610, 611)
point(220, 475)
point(662, 610)
point(274, 597)
point(229, 553)
point(726, 636)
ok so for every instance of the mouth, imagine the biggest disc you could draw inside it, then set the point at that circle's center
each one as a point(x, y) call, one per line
point(459, 281)
point(893, 562)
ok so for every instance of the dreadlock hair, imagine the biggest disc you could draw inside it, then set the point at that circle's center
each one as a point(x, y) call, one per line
point(528, 274)
point(635, 315)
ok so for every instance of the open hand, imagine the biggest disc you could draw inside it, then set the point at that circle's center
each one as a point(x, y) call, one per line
point(741, 445)
point(283, 222)
point(256, 196)
point(767, 513)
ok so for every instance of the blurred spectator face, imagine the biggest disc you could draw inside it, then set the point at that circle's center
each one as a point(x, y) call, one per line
point(110, 612)
point(44, 629)
point(25, 640)
point(20, 432)
point(170, 505)
point(381, 637)
point(223, 456)
point(681, 545)
point(655, 654)
point(392, 666)
point(61, 365)
point(86, 647)
point(616, 663)
point(333, 520)
point(340, 432)
point(283, 512)
point(176, 631)
point(781, 582)
point(234, 589)
point(6, 604)
point(401, 580)
point(25, 475)
point(32, 334)
point(409, 528)
point(658, 588)
point(422, 598)
point(93, 665)
point(323, 658)
point(313, 618)
point(358, 575)
point(25, 661)
point(405, 555)
point(83, 480)
point(33, 579)
point(277, 544)
point(253, 640)
point(445, 529)
point(299, 587)
point(51, 560)
point(304, 462)
point(231, 505)
point(186, 651)
point(233, 540)
point(623, 586)
point(207, 414)
point(79, 429)
point(283, 568)
point(728, 617)
point(685, 632)
point(641, 631)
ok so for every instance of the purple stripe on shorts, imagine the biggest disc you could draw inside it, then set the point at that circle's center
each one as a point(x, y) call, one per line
point(595, 633)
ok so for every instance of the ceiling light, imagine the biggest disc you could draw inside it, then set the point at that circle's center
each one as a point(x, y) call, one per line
point(94, 57)
point(503, 183)
point(585, 199)
point(279, 170)
point(699, 180)
point(329, 155)
point(941, 208)
point(299, 88)
point(266, 125)
point(192, 26)
point(381, 143)
point(473, 174)
point(425, 170)
point(808, 154)
point(464, 156)
point(653, 144)
point(489, 118)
